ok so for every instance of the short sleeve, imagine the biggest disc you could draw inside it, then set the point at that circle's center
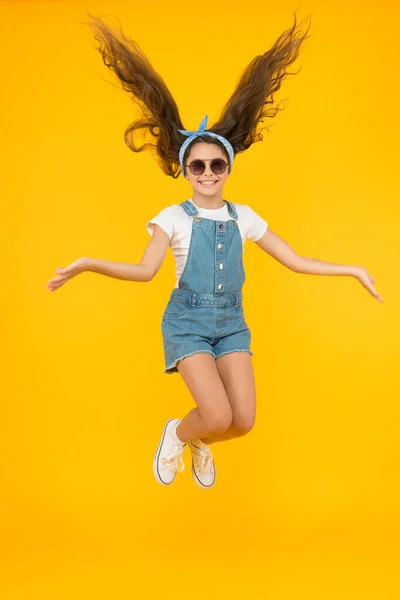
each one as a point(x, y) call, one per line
point(257, 226)
point(165, 219)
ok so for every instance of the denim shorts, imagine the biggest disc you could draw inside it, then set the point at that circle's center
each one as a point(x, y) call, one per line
point(193, 323)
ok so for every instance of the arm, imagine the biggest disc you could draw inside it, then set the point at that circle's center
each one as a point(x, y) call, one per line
point(276, 247)
point(149, 265)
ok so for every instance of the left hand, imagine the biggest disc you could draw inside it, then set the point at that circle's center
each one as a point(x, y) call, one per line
point(366, 280)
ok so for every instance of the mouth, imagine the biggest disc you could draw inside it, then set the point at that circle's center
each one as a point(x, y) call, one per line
point(208, 183)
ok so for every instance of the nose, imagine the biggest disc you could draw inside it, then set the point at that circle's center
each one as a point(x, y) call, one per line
point(208, 170)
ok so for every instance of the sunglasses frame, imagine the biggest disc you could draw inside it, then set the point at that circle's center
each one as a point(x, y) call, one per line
point(204, 161)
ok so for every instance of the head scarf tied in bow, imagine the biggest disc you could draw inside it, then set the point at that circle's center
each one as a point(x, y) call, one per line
point(202, 129)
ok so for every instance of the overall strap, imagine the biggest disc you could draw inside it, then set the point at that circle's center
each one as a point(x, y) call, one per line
point(232, 210)
point(189, 208)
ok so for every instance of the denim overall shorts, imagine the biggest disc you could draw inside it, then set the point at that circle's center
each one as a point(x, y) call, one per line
point(205, 312)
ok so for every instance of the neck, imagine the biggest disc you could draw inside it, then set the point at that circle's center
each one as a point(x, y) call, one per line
point(202, 201)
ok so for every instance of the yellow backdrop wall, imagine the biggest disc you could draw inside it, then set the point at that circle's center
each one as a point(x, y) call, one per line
point(307, 505)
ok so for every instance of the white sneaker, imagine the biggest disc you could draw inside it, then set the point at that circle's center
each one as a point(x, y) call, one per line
point(168, 458)
point(203, 466)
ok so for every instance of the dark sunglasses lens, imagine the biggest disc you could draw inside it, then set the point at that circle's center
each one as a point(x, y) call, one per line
point(197, 167)
point(218, 166)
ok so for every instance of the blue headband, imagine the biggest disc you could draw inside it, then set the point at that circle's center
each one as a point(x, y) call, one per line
point(200, 131)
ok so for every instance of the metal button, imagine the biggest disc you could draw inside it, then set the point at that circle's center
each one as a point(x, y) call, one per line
point(197, 219)
point(219, 246)
point(221, 266)
point(220, 286)
point(221, 225)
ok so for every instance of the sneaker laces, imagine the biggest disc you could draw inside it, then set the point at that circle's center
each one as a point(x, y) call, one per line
point(204, 460)
point(175, 460)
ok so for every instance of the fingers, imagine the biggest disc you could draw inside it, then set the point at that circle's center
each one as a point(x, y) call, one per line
point(53, 284)
point(63, 275)
point(368, 284)
point(375, 293)
point(57, 282)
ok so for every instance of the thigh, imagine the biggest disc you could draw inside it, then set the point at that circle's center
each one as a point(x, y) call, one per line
point(237, 375)
point(204, 382)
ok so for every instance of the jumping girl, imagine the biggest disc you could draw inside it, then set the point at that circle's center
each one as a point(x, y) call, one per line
point(205, 336)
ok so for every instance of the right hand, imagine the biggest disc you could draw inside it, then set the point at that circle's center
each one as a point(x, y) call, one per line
point(66, 273)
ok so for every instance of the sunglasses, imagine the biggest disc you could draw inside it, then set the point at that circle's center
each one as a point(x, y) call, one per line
point(218, 166)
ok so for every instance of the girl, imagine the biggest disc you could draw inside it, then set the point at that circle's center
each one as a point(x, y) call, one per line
point(205, 336)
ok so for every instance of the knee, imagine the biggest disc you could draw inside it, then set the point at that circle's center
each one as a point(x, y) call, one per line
point(218, 422)
point(243, 424)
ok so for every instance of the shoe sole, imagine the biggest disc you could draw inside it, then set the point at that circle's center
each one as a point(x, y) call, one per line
point(157, 454)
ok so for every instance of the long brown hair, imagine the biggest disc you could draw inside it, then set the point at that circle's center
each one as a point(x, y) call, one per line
point(240, 116)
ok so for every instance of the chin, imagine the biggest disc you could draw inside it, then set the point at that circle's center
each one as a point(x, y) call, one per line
point(206, 191)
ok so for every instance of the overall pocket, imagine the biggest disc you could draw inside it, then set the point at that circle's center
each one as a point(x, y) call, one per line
point(175, 310)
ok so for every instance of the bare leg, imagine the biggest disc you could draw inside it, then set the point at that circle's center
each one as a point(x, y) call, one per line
point(213, 414)
point(236, 372)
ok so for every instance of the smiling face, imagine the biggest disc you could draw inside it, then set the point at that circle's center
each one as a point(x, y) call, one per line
point(207, 184)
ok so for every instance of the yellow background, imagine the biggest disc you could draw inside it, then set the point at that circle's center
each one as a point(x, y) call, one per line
point(307, 505)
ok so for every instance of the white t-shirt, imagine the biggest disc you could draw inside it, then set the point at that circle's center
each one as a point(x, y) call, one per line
point(178, 225)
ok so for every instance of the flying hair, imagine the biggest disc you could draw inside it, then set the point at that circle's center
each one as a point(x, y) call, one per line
point(240, 118)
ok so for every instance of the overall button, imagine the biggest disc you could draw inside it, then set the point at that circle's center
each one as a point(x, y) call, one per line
point(221, 266)
point(220, 286)
point(221, 226)
point(197, 219)
point(219, 246)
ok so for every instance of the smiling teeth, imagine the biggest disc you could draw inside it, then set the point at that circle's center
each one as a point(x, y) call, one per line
point(207, 182)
